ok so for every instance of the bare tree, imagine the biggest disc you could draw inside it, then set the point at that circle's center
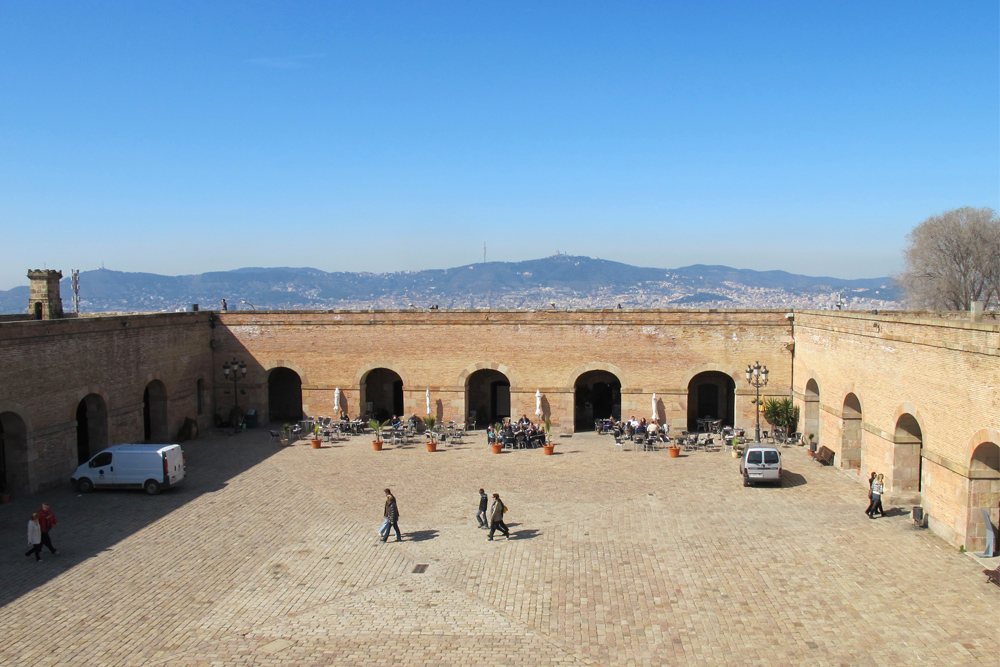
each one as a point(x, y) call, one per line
point(953, 259)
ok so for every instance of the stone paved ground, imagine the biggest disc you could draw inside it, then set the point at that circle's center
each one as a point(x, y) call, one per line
point(267, 556)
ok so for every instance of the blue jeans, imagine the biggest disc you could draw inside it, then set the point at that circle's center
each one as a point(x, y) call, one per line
point(386, 528)
point(481, 518)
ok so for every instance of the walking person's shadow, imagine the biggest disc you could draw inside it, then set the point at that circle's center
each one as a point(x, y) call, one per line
point(420, 535)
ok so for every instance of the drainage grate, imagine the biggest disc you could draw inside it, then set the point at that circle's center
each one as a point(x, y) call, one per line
point(420, 569)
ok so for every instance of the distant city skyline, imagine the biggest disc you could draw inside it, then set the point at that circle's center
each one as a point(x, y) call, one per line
point(189, 138)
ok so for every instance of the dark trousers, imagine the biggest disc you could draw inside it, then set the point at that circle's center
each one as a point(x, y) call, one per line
point(47, 541)
point(388, 529)
point(871, 504)
point(35, 549)
point(501, 525)
point(877, 505)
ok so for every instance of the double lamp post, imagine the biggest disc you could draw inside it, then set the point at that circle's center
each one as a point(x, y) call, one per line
point(757, 377)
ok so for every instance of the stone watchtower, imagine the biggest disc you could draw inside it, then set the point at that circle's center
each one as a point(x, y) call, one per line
point(44, 301)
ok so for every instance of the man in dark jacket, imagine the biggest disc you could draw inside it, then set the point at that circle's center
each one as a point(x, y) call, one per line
point(391, 517)
point(481, 514)
point(496, 518)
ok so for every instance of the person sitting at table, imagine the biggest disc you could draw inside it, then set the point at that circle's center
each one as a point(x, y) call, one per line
point(653, 429)
point(642, 427)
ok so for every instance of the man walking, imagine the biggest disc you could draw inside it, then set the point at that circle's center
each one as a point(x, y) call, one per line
point(496, 518)
point(47, 521)
point(481, 514)
point(391, 517)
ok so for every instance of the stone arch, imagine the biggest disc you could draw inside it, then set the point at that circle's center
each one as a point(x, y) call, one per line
point(597, 394)
point(711, 394)
point(154, 412)
point(269, 365)
point(381, 393)
point(851, 442)
point(284, 394)
point(91, 426)
point(984, 493)
point(736, 375)
point(908, 439)
point(487, 395)
point(512, 375)
point(15, 475)
point(599, 366)
point(810, 422)
point(363, 372)
point(978, 438)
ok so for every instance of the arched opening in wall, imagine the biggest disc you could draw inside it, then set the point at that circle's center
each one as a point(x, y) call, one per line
point(811, 423)
point(154, 412)
point(91, 427)
point(711, 395)
point(13, 455)
point(284, 395)
point(850, 440)
point(382, 394)
point(906, 461)
point(487, 397)
point(984, 494)
point(596, 395)
point(37, 310)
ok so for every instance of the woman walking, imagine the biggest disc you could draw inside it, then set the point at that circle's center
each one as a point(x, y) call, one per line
point(877, 488)
point(391, 517)
point(496, 518)
point(34, 538)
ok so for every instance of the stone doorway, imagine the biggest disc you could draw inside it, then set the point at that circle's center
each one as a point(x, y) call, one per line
point(382, 394)
point(13, 455)
point(91, 427)
point(596, 395)
point(851, 437)
point(984, 494)
point(154, 412)
point(284, 395)
point(711, 395)
point(487, 397)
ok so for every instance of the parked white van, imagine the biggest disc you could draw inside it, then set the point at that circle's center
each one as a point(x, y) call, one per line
point(760, 463)
point(148, 467)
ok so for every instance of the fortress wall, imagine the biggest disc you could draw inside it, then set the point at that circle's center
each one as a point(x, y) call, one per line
point(649, 351)
point(48, 367)
point(943, 372)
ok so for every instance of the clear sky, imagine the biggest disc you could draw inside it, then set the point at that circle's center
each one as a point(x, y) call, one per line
point(178, 138)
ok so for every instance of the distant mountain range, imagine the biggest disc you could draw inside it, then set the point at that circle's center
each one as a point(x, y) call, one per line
point(564, 280)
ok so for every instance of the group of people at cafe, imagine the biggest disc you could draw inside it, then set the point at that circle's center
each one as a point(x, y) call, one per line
point(523, 433)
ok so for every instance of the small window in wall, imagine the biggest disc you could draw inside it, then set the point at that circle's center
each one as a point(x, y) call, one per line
point(200, 394)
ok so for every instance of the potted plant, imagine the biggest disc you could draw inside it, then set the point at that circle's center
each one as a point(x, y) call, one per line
point(549, 446)
point(432, 444)
point(377, 426)
point(674, 449)
point(779, 412)
point(286, 434)
point(316, 440)
point(497, 445)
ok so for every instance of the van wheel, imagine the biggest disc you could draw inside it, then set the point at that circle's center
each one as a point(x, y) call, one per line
point(84, 485)
point(152, 487)
point(746, 481)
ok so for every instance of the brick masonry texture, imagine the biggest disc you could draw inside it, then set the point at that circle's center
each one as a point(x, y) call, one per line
point(938, 376)
point(267, 556)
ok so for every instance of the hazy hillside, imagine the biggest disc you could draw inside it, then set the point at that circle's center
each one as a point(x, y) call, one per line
point(567, 281)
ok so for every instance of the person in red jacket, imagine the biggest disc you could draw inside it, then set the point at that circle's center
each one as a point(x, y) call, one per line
point(47, 521)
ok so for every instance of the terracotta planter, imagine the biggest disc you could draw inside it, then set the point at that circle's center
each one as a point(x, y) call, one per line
point(548, 449)
point(674, 452)
point(377, 444)
point(432, 446)
point(316, 443)
point(497, 448)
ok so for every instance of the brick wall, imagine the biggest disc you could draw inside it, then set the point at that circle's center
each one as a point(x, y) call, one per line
point(941, 374)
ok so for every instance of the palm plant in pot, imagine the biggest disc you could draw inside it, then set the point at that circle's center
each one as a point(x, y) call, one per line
point(377, 426)
point(429, 422)
point(316, 440)
point(549, 446)
point(779, 412)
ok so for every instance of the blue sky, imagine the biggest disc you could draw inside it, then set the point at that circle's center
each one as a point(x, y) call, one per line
point(179, 137)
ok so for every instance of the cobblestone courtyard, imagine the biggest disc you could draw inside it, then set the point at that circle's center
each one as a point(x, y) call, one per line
point(267, 555)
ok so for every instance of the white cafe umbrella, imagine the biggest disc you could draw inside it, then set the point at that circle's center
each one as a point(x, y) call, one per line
point(655, 413)
point(336, 401)
point(538, 402)
point(428, 395)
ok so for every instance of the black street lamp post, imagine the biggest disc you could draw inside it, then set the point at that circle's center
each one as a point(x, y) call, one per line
point(757, 378)
point(235, 371)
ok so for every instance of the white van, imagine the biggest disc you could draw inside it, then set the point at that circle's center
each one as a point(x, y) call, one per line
point(761, 463)
point(148, 467)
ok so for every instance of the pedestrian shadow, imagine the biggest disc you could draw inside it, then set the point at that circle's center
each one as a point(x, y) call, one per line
point(789, 478)
point(420, 535)
point(525, 534)
point(896, 511)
